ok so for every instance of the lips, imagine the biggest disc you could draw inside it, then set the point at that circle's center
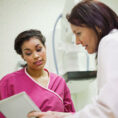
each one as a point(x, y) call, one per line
point(85, 46)
point(38, 63)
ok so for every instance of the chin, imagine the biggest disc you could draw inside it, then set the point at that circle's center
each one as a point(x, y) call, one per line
point(38, 68)
point(91, 52)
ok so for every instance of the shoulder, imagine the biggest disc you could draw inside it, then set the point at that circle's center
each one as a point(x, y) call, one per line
point(11, 76)
point(111, 38)
point(108, 50)
point(56, 77)
point(109, 42)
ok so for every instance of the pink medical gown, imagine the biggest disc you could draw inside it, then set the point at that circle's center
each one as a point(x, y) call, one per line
point(56, 97)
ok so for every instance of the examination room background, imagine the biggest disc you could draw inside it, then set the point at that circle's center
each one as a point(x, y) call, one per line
point(19, 15)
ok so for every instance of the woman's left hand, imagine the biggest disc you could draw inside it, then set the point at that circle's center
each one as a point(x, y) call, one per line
point(49, 114)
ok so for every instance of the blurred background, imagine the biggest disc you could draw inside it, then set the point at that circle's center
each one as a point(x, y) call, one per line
point(71, 62)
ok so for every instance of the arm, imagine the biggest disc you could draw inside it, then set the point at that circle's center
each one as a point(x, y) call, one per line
point(3, 93)
point(49, 114)
point(5, 89)
point(68, 103)
point(106, 103)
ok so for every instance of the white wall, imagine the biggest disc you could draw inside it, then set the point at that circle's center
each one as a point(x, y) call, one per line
point(19, 15)
point(112, 4)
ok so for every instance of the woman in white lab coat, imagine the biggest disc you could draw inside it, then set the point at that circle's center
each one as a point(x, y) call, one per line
point(95, 26)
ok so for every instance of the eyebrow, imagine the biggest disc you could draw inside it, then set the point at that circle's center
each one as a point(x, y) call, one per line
point(26, 49)
point(29, 49)
point(37, 45)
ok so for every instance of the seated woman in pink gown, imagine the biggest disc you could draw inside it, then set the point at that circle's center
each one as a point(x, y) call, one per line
point(48, 90)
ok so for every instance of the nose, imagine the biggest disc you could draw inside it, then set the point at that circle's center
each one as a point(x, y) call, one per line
point(35, 55)
point(78, 41)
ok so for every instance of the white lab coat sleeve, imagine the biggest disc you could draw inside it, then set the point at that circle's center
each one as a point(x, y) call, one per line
point(106, 103)
point(105, 106)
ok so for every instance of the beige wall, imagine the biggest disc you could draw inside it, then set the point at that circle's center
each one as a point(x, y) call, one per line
point(19, 15)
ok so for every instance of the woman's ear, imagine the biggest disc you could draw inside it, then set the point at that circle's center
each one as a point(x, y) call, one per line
point(99, 30)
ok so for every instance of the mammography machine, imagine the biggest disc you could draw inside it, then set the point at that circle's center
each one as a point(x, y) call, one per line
point(71, 60)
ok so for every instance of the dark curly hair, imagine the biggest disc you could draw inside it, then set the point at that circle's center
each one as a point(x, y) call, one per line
point(25, 36)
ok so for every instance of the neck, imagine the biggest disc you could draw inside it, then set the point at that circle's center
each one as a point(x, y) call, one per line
point(36, 73)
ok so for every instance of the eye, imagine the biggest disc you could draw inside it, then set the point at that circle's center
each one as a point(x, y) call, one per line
point(38, 50)
point(28, 54)
point(78, 33)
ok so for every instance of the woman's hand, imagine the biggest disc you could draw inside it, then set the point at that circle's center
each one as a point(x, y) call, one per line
point(49, 114)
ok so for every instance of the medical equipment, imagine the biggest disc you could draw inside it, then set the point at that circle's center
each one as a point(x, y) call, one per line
point(71, 61)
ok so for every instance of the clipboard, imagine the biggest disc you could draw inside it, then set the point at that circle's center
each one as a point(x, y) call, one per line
point(17, 106)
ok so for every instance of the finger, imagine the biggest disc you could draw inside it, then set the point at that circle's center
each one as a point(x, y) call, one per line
point(35, 114)
point(32, 111)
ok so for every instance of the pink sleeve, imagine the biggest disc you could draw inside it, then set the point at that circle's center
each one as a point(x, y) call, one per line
point(68, 104)
point(3, 88)
point(3, 92)
point(1, 115)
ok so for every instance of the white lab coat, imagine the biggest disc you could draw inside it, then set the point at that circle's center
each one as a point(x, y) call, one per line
point(106, 103)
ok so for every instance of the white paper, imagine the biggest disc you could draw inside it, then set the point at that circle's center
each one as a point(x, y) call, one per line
point(17, 106)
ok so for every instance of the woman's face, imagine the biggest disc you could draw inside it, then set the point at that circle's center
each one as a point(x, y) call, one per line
point(86, 37)
point(34, 53)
